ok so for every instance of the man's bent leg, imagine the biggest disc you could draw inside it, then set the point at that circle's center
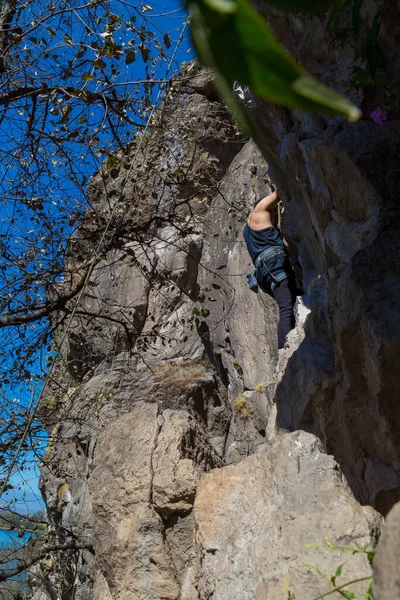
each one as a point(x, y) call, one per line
point(285, 295)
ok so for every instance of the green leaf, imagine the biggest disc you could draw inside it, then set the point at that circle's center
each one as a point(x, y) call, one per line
point(360, 78)
point(339, 571)
point(130, 57)
point(312, 89)
point(373, 54)
point(374, 33)
point(87, 77)
point(347, 594)
point(112, 161)
point(240, 46)
point(222, 6)
point(337, 574)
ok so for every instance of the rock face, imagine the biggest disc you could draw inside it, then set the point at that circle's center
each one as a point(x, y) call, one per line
point(188, 457)
point(342, 213)
point(387, 559)
point(143, 490)
point(255, 519)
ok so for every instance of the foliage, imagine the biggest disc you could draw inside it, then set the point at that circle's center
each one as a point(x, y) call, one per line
point(13, 590)
point(78, 84)
point(240, 406)
point(77, 80)
point(295, 5)
point(238, 369)
point(332, 580)
point(233, 39)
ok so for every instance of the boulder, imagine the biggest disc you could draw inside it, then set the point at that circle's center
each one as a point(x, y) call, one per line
point(255, 519)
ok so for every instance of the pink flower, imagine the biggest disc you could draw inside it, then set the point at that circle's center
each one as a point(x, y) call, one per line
point(379, 115)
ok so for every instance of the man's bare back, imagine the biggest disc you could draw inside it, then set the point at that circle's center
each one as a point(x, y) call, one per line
point(263, 216)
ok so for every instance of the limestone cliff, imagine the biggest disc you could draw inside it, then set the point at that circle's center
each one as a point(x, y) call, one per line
point(195, 462)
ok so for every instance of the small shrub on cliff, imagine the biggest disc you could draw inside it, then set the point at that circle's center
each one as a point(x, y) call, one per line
point(240, 406)
point(175, 376)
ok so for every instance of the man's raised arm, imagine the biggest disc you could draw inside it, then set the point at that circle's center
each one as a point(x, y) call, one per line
point(261, 215)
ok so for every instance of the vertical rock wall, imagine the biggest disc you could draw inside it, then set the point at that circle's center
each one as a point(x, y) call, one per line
point(343, 216)
point(165, 459)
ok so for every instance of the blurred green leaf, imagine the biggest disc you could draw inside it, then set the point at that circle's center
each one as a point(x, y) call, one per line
point(240, 46)
point(222, 6)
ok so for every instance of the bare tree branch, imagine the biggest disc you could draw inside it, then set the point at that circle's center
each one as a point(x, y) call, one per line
point(29, 562)
point(45, 309)
point(72, 92)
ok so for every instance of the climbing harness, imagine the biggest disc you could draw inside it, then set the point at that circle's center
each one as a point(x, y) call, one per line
point(272, 266)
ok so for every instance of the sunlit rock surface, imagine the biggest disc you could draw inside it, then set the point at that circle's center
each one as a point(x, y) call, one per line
point(172, 379)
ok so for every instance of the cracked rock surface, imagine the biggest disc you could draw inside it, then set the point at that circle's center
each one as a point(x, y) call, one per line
point(191, 458)
point(255, 519)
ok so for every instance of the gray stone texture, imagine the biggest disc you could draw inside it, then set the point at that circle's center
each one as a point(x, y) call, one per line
point(341, 185)
point(255, 519)
point(387, 559)
point(171, 378)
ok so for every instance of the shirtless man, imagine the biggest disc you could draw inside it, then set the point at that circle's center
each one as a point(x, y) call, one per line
point(274, 272)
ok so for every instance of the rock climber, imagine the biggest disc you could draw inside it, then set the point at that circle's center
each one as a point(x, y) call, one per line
point(273, 270)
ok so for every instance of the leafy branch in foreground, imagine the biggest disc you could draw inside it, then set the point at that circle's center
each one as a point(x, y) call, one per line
point(235, 41)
